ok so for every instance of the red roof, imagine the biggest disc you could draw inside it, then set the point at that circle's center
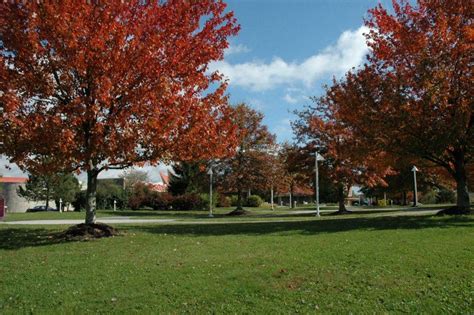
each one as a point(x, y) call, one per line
point(158, 187)
point(13, 180)
point(164, 178)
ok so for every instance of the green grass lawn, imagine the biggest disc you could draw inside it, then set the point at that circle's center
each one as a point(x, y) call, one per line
point(362, 263)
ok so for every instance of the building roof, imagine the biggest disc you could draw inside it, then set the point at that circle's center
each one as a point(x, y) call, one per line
point(165, 178)
point(13, 180)
point(158, 187)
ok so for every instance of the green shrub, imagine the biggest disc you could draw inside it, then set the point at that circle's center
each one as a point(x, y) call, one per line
point(429, 197)
point(224, 201)
point(80, 201)
point(445, 196)
point(253, 201)
point(233, 200)
point(215, 199)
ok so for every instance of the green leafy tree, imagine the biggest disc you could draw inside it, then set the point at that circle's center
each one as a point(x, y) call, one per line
point(188, 177)
point(50, 187)
point(65, 188)
point(109, 191)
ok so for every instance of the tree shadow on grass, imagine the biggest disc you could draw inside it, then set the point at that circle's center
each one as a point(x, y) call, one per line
point(154, 213)
point(309, 227)
point(20, 237)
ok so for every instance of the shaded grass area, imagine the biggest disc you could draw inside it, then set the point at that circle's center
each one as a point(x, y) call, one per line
point(218, 213)
point(358, 264)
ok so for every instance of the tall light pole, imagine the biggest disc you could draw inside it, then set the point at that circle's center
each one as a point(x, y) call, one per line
point(317, 158)
point(210, 173)
point(271, 197)
point(415, 196)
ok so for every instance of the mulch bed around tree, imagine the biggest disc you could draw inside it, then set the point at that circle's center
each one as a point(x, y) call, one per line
point(89, 231)
point(239, 212)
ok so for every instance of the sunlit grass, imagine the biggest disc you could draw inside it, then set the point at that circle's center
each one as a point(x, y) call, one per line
point(360, 263)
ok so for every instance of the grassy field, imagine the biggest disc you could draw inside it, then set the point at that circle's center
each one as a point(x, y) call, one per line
point(362, 263)
point(219, 213)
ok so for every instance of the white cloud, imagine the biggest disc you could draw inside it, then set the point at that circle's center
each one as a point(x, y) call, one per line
point(236, 49)
point(283, 129)
point(9, 170)
point(290, 99)
point(349, 51)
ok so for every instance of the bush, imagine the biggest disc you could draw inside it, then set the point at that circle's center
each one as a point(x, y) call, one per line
point(253, 201)
point(429, 197)
point(108, 192)
point(188, 202)
point(139, 196)
point(205, 199)
point(80, 201)
point(160, 201)
point(445, 196)
point(233, 200)
point(224, 201)
point(382, 203)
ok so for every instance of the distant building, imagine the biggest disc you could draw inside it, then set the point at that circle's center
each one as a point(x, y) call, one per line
point(355, 196)
point(160, 187)
point(9, 192)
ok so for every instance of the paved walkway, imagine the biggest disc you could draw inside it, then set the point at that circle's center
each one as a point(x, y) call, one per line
point(102, 220)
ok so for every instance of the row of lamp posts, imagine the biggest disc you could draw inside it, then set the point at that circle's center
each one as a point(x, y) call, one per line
point(317, 158)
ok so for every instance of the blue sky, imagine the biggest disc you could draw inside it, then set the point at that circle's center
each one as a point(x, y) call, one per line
point(287, 50)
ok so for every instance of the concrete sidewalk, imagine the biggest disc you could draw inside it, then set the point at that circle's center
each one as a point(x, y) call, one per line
point(101, 220)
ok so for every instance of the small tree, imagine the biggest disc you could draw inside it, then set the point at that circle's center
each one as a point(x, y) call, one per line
point(348, 159)
point(65, 188)
point(246, 170)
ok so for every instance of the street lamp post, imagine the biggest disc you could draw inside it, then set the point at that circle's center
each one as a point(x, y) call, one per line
point(415, 196)
point(271, 197)
point(210, 173)
point(60, 205)
point(317, 158)
point(115, 205)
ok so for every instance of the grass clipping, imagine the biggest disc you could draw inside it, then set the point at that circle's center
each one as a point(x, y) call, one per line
point(84, 232)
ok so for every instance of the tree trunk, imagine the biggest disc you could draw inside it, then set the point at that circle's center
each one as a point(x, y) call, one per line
point(341, 199)
point(91, 196)
point(239, 199)
point(462, 202)
point(404, 198)
point(341, 196)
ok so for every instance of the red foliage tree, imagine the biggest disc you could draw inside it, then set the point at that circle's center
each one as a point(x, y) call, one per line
point(90, 87)
point(348, 159)
point(247, 169)
point(415, 97)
